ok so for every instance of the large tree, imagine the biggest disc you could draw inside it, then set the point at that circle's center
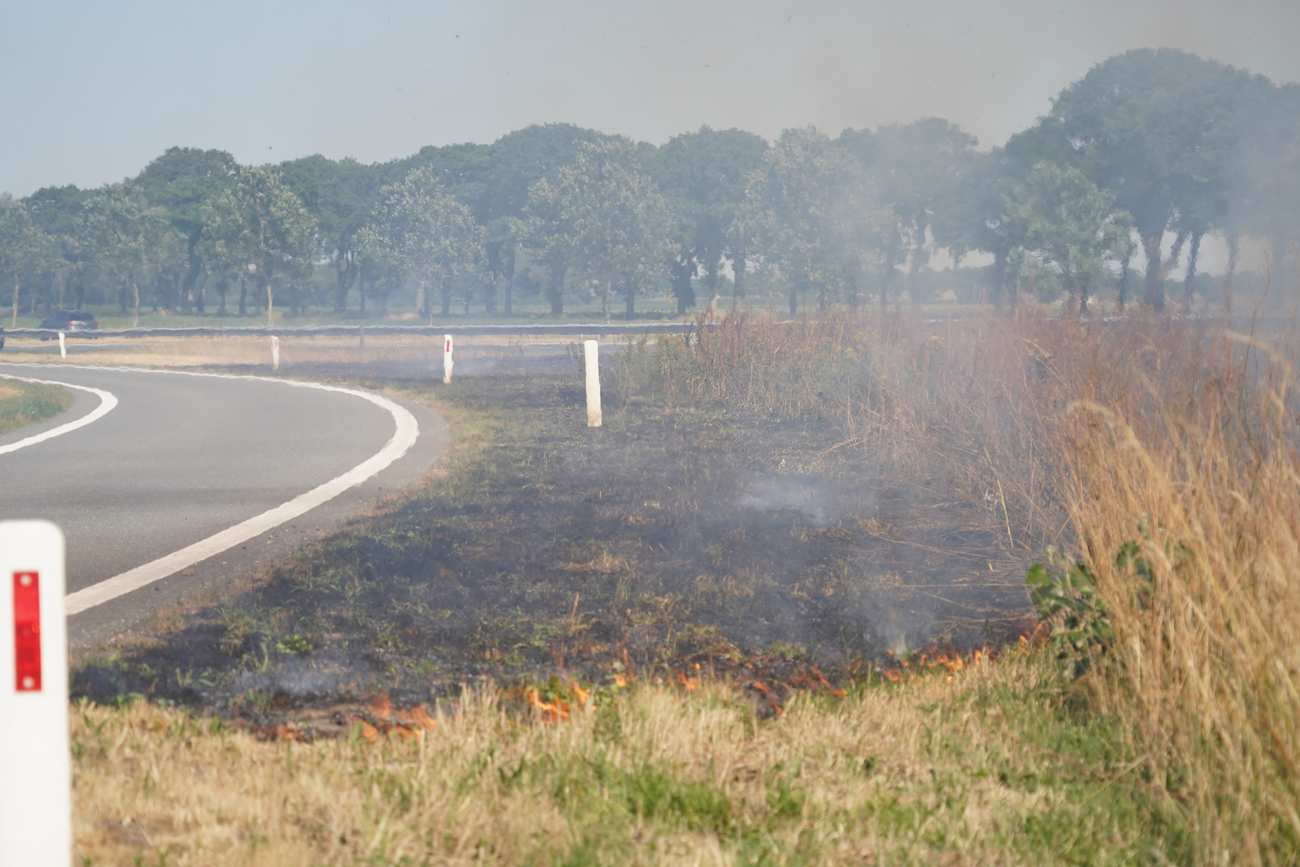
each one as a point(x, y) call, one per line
point(1265, 176)
point(704, 174)
point(57, 212)
point(126, 235)
point(180, 183)
point(22, 245)
point(914, 170)
point(1156, 128)
point(340, 194)
point(604, 215)
point(421, 231)
point(816, 206)
point(262, 228)
point(1070, 224)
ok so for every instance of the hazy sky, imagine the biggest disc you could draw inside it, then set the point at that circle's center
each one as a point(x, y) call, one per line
point(90, 91)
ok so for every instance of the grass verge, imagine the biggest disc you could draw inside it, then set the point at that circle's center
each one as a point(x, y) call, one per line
point(987, 766)
point(23, 403)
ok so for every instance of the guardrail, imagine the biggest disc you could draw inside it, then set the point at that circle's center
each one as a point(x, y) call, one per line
point(519, 330)
point(575, 329)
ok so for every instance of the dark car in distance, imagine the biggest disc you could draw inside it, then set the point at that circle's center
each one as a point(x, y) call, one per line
point(69, 321)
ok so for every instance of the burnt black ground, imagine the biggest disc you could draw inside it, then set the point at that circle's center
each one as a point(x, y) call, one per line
point(664, 539)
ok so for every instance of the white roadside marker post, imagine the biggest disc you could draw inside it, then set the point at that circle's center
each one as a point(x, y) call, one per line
point(35, 764)
point(63, 345)
point(447, 362)
point(275, 352)
point(591, 358)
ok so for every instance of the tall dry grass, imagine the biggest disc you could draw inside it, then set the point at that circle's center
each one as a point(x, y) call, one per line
point(1198, 466)
point(1174, 439)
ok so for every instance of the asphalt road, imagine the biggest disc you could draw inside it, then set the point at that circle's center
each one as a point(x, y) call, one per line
point(183, 458)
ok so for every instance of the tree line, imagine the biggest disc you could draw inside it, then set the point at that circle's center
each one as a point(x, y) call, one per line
point(1138, 162)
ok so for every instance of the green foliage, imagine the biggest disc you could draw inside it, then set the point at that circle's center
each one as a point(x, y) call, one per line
point(1066, 222)
point(259, 225)
point(604, 216)
point(1066, 597)
point(420, 231)
point(20, 243)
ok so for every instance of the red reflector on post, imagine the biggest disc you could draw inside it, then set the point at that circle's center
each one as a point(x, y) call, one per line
point(27, 631)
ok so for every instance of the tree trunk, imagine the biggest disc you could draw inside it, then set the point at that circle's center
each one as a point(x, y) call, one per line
point(509, 289)
point(200, 294)
point(1176, 251)
point(243, 296)
point(604, 300)
point(919, 259)
point(792, 298)
point(1084, 291)
point(1125, 275)
point(999, 277)
point(13, 319)
point(555, 289)
point(135, 303)
point(891, 261)
point(446, 299)
point(270, 303)
point(195, 264)
point(739, 264)
point(1153, 292)
point(223, 287)
point(422, 302)
point(630, 297)
point(343, 277)
point(680, 268)
point(490, 297)
point(1234, 248)
point(1189, 279)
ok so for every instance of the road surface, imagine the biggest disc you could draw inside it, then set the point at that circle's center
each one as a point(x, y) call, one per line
point(151, 489)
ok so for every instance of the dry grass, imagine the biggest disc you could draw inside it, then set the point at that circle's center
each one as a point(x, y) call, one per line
point(1176, 438)
point(1198, 466)
point(984, 767)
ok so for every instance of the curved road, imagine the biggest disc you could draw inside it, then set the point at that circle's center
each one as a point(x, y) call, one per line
point(182, 459)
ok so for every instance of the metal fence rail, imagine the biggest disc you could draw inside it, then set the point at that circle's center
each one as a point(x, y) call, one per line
point(575, 329)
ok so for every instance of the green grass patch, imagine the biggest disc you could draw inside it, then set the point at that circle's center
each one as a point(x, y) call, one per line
point(23, 403)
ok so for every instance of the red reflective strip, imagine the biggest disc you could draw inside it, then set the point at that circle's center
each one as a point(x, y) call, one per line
point(27, 631)
point(447, 348)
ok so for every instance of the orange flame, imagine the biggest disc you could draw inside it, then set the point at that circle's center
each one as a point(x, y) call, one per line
point(556, 711)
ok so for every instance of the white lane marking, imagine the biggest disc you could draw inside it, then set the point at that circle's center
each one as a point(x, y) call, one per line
point(107, 402)
point(407, 430)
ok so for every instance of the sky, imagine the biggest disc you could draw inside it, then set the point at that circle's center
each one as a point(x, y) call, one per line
point(91, 91)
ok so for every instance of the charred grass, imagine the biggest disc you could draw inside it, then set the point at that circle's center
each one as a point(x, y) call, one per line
point(690, 538)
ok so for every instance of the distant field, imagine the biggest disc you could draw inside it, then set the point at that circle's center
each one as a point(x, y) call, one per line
point(23, 404)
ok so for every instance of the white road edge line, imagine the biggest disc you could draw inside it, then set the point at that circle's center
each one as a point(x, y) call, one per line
point(407, 430)
point(107, 402)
